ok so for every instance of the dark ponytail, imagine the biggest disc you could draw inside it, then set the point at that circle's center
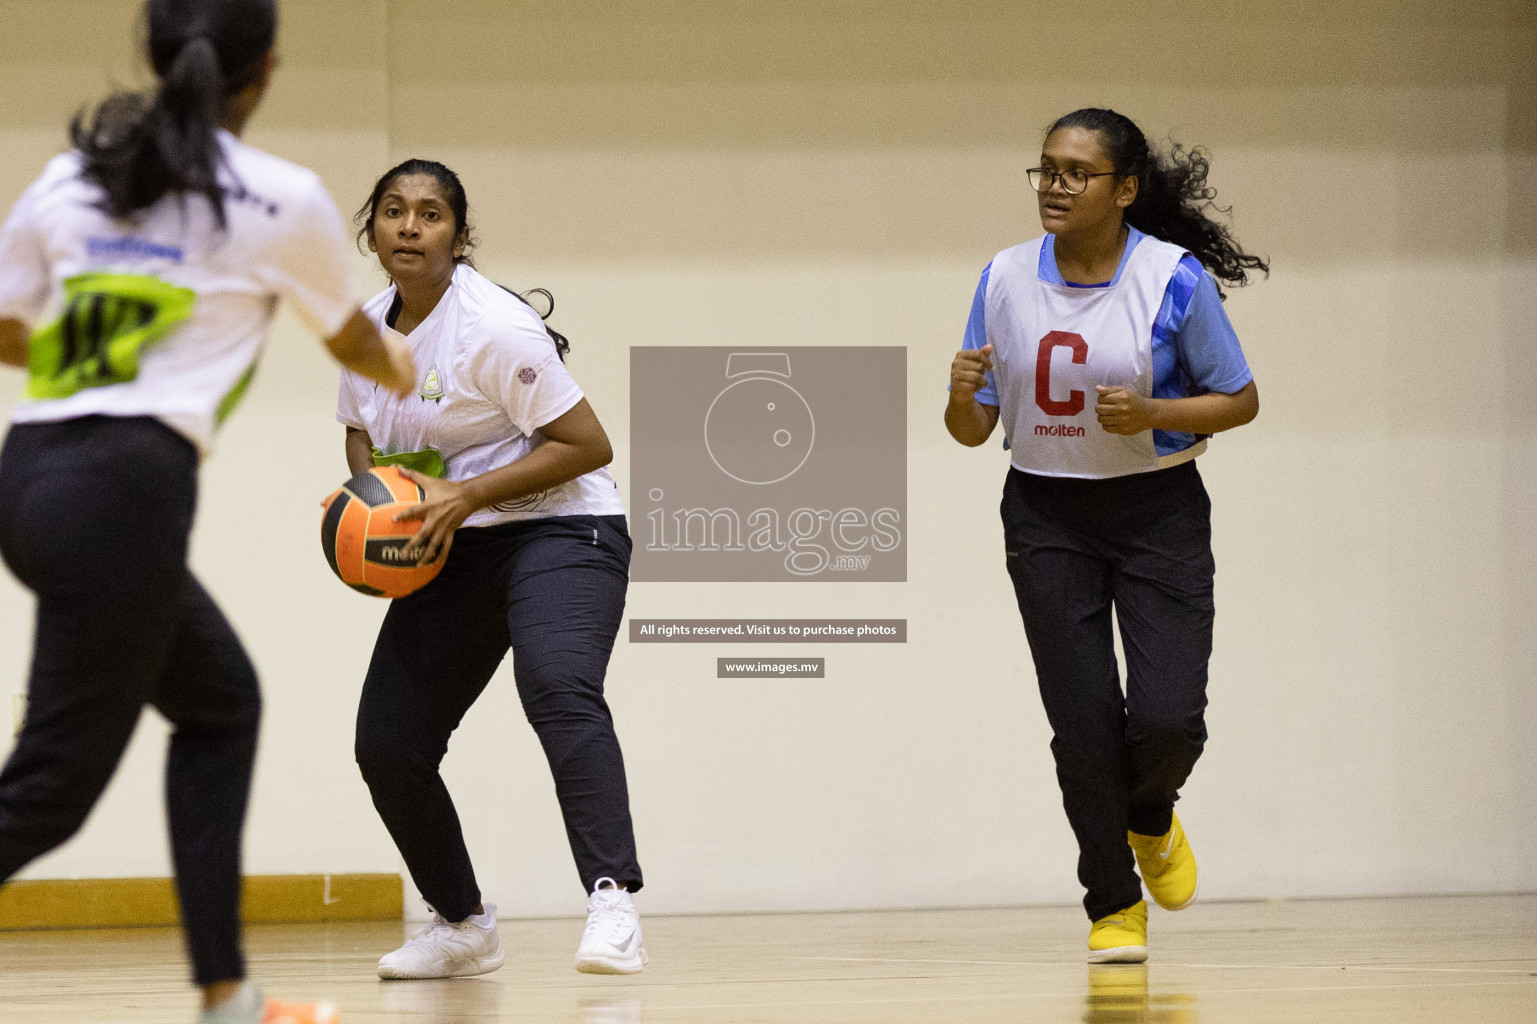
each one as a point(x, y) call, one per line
point(459, 205)
point(1173, 200)
point(140, 148)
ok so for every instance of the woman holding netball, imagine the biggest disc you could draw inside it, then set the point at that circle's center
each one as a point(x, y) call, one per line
point(1104, 349)
point(149, 260)
point(537, 553)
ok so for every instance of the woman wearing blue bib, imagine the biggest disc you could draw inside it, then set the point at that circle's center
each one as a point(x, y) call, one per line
point(1104, 349)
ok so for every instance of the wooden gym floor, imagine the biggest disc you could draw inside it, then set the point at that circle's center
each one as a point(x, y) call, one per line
point(1444, 960)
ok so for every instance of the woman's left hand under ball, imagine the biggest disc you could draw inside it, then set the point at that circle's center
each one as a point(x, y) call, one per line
point(1123, 412)
point(447, 506)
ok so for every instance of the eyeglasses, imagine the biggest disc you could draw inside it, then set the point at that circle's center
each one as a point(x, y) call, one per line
point(1073, 181)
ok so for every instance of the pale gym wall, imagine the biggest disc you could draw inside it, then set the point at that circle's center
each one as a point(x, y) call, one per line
point(782, 173)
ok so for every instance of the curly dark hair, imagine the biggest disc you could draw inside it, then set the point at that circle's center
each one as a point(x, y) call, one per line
point(1173, 202)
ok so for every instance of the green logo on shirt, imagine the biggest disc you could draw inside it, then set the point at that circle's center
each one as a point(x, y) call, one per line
point(432, 386)
point(108, 321)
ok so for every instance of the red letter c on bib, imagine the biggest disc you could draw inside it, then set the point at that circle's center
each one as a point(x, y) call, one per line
point(1063, 339)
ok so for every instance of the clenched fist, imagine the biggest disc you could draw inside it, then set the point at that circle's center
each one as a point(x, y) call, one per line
point(969, 369)
point(1123, 412)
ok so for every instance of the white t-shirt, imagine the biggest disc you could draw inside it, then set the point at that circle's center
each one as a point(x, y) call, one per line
point(207, 295)
point(489, 378)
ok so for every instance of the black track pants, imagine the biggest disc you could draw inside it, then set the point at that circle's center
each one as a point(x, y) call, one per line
point(1141, 543)
point(94, 519)
point(553, 590)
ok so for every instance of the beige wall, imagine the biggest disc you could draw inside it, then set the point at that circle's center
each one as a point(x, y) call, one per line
point(773, 173)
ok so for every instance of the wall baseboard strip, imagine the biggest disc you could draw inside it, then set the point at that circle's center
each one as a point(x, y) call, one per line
point(138, 902)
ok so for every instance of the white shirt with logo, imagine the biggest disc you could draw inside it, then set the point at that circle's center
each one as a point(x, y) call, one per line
point(1053, 343)
point(488, 378)
point(284, 239)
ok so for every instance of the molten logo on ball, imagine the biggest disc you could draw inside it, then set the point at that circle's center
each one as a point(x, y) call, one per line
point(363, 543)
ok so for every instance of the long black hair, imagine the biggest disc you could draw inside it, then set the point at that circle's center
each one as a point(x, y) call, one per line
point(140, 147)
point(1173, 202)
point(459, 206)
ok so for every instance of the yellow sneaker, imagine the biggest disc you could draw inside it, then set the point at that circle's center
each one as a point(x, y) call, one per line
point(1168, 866)
point(1120, 938)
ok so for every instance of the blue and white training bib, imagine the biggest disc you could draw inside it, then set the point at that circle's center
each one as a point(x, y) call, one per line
point(1157, 329)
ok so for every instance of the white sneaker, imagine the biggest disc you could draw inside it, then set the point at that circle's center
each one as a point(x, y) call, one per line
point(445, 950)
point(611, 940)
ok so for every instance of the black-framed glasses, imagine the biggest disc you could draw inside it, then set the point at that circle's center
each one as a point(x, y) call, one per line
point(1073, 181)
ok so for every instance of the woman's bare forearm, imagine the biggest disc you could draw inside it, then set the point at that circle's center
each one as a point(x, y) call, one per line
point(1207, 414)
point(573, 444)
point(360, 450)
point(968, 420)
point(13, 342)
point(550, 465)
